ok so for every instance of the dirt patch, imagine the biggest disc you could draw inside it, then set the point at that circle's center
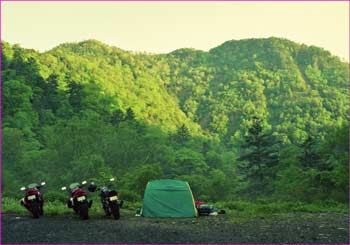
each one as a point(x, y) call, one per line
point(292, 228)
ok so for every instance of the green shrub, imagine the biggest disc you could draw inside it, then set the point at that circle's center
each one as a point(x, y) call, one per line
point(129, 196)
point(12, 206)
point(55, 196)
point(132, 205)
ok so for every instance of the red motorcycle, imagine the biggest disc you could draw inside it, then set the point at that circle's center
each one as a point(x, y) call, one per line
point(78, 199)
point(33, 199)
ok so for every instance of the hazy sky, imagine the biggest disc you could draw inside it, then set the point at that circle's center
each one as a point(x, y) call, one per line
point(160, 27)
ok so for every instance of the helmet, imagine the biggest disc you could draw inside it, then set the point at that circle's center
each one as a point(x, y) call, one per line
point(92, 187)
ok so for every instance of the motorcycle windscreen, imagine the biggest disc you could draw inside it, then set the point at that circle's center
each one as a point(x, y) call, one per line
point(74, 186)
point(32, 186)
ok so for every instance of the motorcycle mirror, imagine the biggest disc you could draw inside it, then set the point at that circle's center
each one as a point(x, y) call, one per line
point(64, 188)
point(43, 183)
point(23, 188)
point(84, 182)
point(112, 179)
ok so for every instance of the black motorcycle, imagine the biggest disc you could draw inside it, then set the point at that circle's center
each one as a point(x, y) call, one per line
point(33, 199)
point(109, 199)
point(78, 199)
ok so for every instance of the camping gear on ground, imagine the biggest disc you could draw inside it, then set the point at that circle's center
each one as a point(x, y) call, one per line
point(205, 209)
point(168, 198)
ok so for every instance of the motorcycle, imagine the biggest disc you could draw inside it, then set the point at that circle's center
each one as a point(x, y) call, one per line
point(78, 199)
point(109, 199)
point(33, 199)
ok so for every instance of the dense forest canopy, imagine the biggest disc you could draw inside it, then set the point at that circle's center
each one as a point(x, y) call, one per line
point(250, 118)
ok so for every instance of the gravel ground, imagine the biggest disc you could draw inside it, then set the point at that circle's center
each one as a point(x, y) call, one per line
point(291, 228)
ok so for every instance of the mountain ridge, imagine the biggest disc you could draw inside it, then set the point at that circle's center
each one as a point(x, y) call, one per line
point(186, 78)
point(98, 43)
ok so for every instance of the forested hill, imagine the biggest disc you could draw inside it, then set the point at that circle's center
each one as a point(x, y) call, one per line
point(258, 112)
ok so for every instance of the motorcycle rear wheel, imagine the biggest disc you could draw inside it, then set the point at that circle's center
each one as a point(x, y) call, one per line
point(84, 211)
point(35, 210)
point(115, 210)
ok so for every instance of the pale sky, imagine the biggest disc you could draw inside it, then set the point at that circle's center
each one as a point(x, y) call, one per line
point(161, 27)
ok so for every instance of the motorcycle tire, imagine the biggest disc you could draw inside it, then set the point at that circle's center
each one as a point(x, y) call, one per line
point(35, 210)
point(84, 211)
point(107, 212)
point(105, 206)
point(115, 210)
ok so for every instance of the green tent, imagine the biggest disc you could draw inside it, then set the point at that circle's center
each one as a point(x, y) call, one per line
point(168, 198)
